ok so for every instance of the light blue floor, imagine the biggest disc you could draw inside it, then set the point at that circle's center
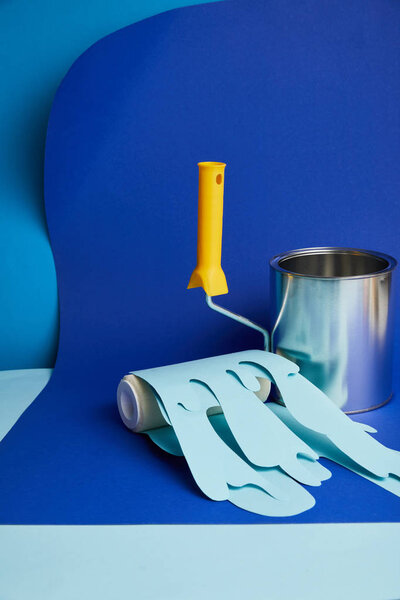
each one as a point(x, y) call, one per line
point(17, 391)
point(200, 562)
point(189, 562)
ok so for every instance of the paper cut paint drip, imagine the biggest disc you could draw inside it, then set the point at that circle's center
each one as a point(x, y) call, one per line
point(312, 408)
point(292, 499)
point(325, 448)
point(222, 472)
point(262, 437)
point(257, 454)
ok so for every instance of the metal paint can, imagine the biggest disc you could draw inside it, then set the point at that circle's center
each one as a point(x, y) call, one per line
point(332, 311)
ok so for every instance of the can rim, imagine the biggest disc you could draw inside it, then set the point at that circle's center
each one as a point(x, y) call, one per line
point(275, 261)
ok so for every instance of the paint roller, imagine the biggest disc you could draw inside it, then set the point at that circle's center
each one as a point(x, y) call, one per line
point(260, 468)
point(137, 402)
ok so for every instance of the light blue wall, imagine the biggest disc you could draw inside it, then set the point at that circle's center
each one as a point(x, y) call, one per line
point(39, 40)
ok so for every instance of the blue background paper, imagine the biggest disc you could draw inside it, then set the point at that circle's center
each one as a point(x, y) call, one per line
point(301, 101)
point(38, 43)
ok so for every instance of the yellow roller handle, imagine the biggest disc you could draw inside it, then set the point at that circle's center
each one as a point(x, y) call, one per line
point(208, 273)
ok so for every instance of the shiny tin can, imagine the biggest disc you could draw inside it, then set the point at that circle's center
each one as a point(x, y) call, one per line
point(332, 311)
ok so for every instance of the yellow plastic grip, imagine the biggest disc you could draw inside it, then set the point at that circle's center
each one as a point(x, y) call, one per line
point(208, 273)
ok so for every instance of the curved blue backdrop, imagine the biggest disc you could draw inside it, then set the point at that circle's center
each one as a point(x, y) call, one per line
point(301, 101)
point(38, 43)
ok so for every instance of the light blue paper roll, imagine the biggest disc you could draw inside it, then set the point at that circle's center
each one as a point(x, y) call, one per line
point(253, 454)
